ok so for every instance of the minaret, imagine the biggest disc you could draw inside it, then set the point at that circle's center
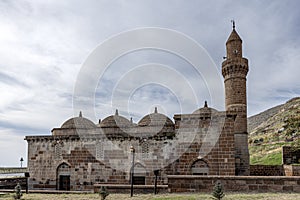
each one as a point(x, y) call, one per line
point(234, 71)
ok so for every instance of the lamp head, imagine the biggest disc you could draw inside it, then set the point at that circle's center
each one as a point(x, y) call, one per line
point(132, 150)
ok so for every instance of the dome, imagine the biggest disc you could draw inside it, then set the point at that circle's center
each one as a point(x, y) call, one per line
point(205, 109)
point(115, 121)
point(78, 122)
point(156, 125)
point(155, 119)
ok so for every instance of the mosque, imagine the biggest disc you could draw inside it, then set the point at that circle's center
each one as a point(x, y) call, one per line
point(81, 153)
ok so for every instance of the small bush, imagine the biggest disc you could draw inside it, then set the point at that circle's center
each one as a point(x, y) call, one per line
point(18, 192)
point(218, 191)
point(103, 192)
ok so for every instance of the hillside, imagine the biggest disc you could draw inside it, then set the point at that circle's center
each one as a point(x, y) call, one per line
point(256, 120)
point(273, 128)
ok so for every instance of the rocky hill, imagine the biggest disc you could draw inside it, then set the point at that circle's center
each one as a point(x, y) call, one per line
point(273, 128)
point(256, 120)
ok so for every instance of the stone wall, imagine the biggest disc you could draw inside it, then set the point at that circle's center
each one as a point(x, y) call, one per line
point(291, 170)
point(10, 183)
point(69, 155)
point(267, 170)
point(217, 152)
point(288, 170)
point(93, 158)
point(274, 170)
point(290, 155)
point(189, 183)
point(296, 170)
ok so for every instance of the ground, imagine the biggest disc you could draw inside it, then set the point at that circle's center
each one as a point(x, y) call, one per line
point(232, 196)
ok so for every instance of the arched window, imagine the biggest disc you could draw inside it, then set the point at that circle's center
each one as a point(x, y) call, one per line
point(200, 167)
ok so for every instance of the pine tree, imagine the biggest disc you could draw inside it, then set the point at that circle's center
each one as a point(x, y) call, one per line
point(218, 191)
point(103, 193)
point(18, 192)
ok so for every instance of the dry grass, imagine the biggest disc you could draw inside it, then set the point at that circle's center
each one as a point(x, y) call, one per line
point(267, 196)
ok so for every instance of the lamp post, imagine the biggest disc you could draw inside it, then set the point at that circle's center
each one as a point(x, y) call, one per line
point(21, 160)
point(155, 183)
point(27, 176)
point(132, 150)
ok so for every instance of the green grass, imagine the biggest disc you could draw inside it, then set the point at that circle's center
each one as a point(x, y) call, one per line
point(267, 151)
point(266, 154)
point(274, 158)
point(194, 196)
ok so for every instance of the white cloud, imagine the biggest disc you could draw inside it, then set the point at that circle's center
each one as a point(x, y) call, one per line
point(13, 147)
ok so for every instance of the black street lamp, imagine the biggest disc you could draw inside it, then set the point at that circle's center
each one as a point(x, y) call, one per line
point(21, 160)
point(27, 176)
point(156, 172)
point(132, 150)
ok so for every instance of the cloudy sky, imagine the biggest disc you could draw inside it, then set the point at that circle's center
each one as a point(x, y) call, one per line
point(44, 45)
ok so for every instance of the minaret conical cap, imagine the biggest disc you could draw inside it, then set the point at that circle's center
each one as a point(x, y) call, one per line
point(233, 36)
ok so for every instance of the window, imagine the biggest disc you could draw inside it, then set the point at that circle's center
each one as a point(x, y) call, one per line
point(99, 150)
point(58, 151)
point(200, 167)
point(145, 150)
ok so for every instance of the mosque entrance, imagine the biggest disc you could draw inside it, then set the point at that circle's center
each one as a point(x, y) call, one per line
point(139, 180)
point(139, 177)
point(63, 177)
point(64, 182)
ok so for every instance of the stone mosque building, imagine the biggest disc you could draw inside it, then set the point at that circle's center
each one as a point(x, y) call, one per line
point(81, 153)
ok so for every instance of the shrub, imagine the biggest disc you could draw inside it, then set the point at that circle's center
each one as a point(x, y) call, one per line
point(218, 191)
point(18, 192)
point(103, 192)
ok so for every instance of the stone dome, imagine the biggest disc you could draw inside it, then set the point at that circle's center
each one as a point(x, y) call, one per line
point(205, 109)
point(115, 121)
point(155, 119)
point(156, 125)
point(78, 122)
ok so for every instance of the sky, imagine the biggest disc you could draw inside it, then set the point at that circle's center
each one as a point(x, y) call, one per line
point(44, 46)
